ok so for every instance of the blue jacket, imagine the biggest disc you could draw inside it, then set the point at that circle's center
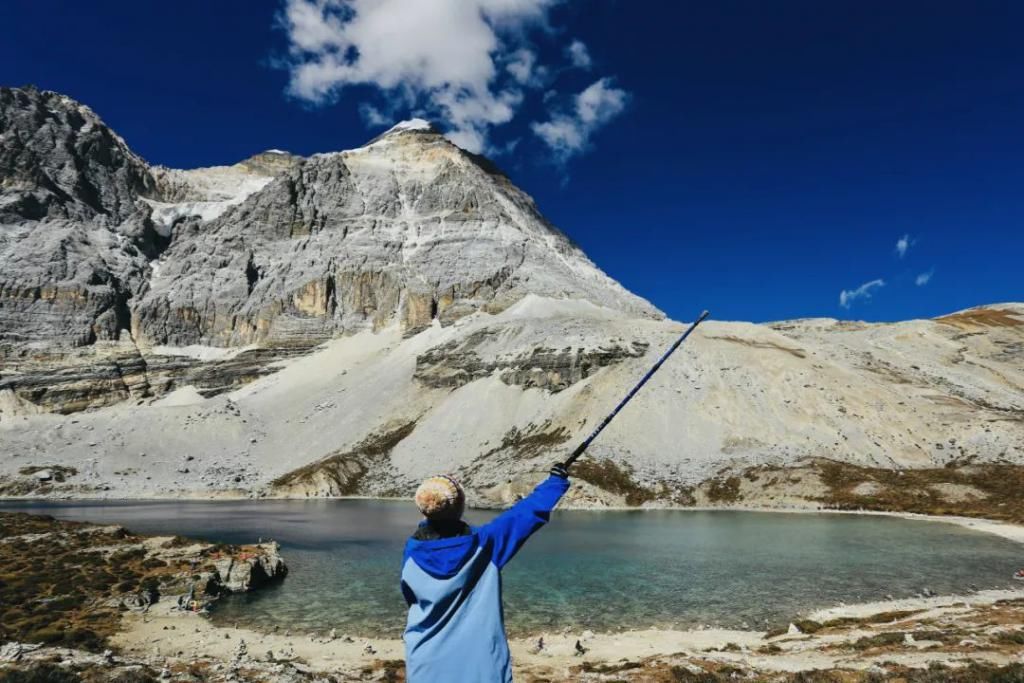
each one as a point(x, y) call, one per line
point(456, 627)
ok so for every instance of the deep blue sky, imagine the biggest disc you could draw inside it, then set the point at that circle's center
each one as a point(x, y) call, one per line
point(771, 155)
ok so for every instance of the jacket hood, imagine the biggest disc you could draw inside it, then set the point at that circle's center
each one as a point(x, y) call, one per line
point(444, 557)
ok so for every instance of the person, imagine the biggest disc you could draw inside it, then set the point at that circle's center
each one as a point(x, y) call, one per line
point(451, 580)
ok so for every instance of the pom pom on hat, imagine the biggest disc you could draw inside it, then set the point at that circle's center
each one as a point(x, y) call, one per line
point(441, 497)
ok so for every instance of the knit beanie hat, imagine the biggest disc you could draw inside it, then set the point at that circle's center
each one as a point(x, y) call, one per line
point(440, 498)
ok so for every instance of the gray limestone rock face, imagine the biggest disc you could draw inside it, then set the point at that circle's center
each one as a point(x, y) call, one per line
point(278, 251)
point(106, 373)
point(65, 284)
point(75, 242)
point(58, 160)
point(409, 227)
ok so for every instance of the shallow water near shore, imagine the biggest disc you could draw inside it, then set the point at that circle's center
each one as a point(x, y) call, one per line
point(596, 570)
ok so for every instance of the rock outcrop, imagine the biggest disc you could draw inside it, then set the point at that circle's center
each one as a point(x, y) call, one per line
point(459, 362)
point(251, 569)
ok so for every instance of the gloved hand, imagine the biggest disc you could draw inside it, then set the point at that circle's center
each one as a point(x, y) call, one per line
point(560, 470)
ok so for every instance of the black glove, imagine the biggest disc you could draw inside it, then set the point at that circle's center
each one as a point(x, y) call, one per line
point(560, 471)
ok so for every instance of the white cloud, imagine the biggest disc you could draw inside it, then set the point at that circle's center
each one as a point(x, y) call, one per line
point(924, 278)
point(467, 62)
point(372, 115)
point(902, 244)
point(848, 296)
point(521, 65)
point(579, 55)
point(568, 132)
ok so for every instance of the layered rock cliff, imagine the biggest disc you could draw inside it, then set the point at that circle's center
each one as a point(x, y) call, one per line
point(407, 228)
point(110, 266)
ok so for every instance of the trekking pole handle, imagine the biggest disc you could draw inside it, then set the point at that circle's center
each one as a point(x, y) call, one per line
point(579, 450)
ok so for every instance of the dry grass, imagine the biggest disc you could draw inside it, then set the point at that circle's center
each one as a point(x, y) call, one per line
point(913, 490)
point(886, 639)
point(346, 469)
point(974, 672)
point(530, 442)
point(880, 618)
point(387, 670)
point(725, 491)
point(983, 317)
point(61, 583)
point(49, 672)
point(607, 475)
point(58, 472)
point(52, 588)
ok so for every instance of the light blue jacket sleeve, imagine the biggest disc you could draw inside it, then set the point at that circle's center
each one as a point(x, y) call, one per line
point(507, 532)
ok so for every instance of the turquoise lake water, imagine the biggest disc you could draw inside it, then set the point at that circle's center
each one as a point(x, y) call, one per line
point(597, 570)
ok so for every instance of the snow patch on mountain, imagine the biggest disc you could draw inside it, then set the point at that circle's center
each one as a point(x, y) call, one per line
point(204, 193)
point(411, 124)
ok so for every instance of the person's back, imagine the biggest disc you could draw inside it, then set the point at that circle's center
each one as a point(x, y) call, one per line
point(451, 580)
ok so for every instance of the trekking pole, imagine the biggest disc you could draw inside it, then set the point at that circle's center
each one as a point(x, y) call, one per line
point(632, 392)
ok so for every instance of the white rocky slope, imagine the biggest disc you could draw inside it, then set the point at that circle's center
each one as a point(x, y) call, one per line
point(350, 322)
point(497, 397)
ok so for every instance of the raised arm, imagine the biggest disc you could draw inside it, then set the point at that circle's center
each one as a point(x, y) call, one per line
point(507, 532)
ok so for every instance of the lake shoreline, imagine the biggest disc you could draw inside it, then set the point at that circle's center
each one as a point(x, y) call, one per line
point(705, 649)
point(1008, 530)
point(882, 638)
point(832, 639)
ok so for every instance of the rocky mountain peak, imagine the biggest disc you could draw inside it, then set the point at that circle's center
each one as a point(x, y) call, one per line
point(271, 162)
point(408, 228)
point(413, 127)
point(275, 249)
point(59, 160)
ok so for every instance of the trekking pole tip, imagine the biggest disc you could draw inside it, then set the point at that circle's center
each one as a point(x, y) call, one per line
point(703, 315)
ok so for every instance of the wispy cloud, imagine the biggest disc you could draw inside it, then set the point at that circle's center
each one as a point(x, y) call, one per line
point(848, 296)
point(522, 64)
point(372, 115)
point(579, 55)
point(902, 245)
point(924, 278)
point(467, 63)
point(569, 131)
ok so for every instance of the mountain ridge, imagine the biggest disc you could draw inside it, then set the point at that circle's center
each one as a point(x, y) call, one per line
point(348, 322)
point(355, 187)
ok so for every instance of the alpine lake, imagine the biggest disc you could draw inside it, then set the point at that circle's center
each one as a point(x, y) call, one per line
point(597, 570)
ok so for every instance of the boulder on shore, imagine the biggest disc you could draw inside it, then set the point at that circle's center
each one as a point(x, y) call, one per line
point(247, 571)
